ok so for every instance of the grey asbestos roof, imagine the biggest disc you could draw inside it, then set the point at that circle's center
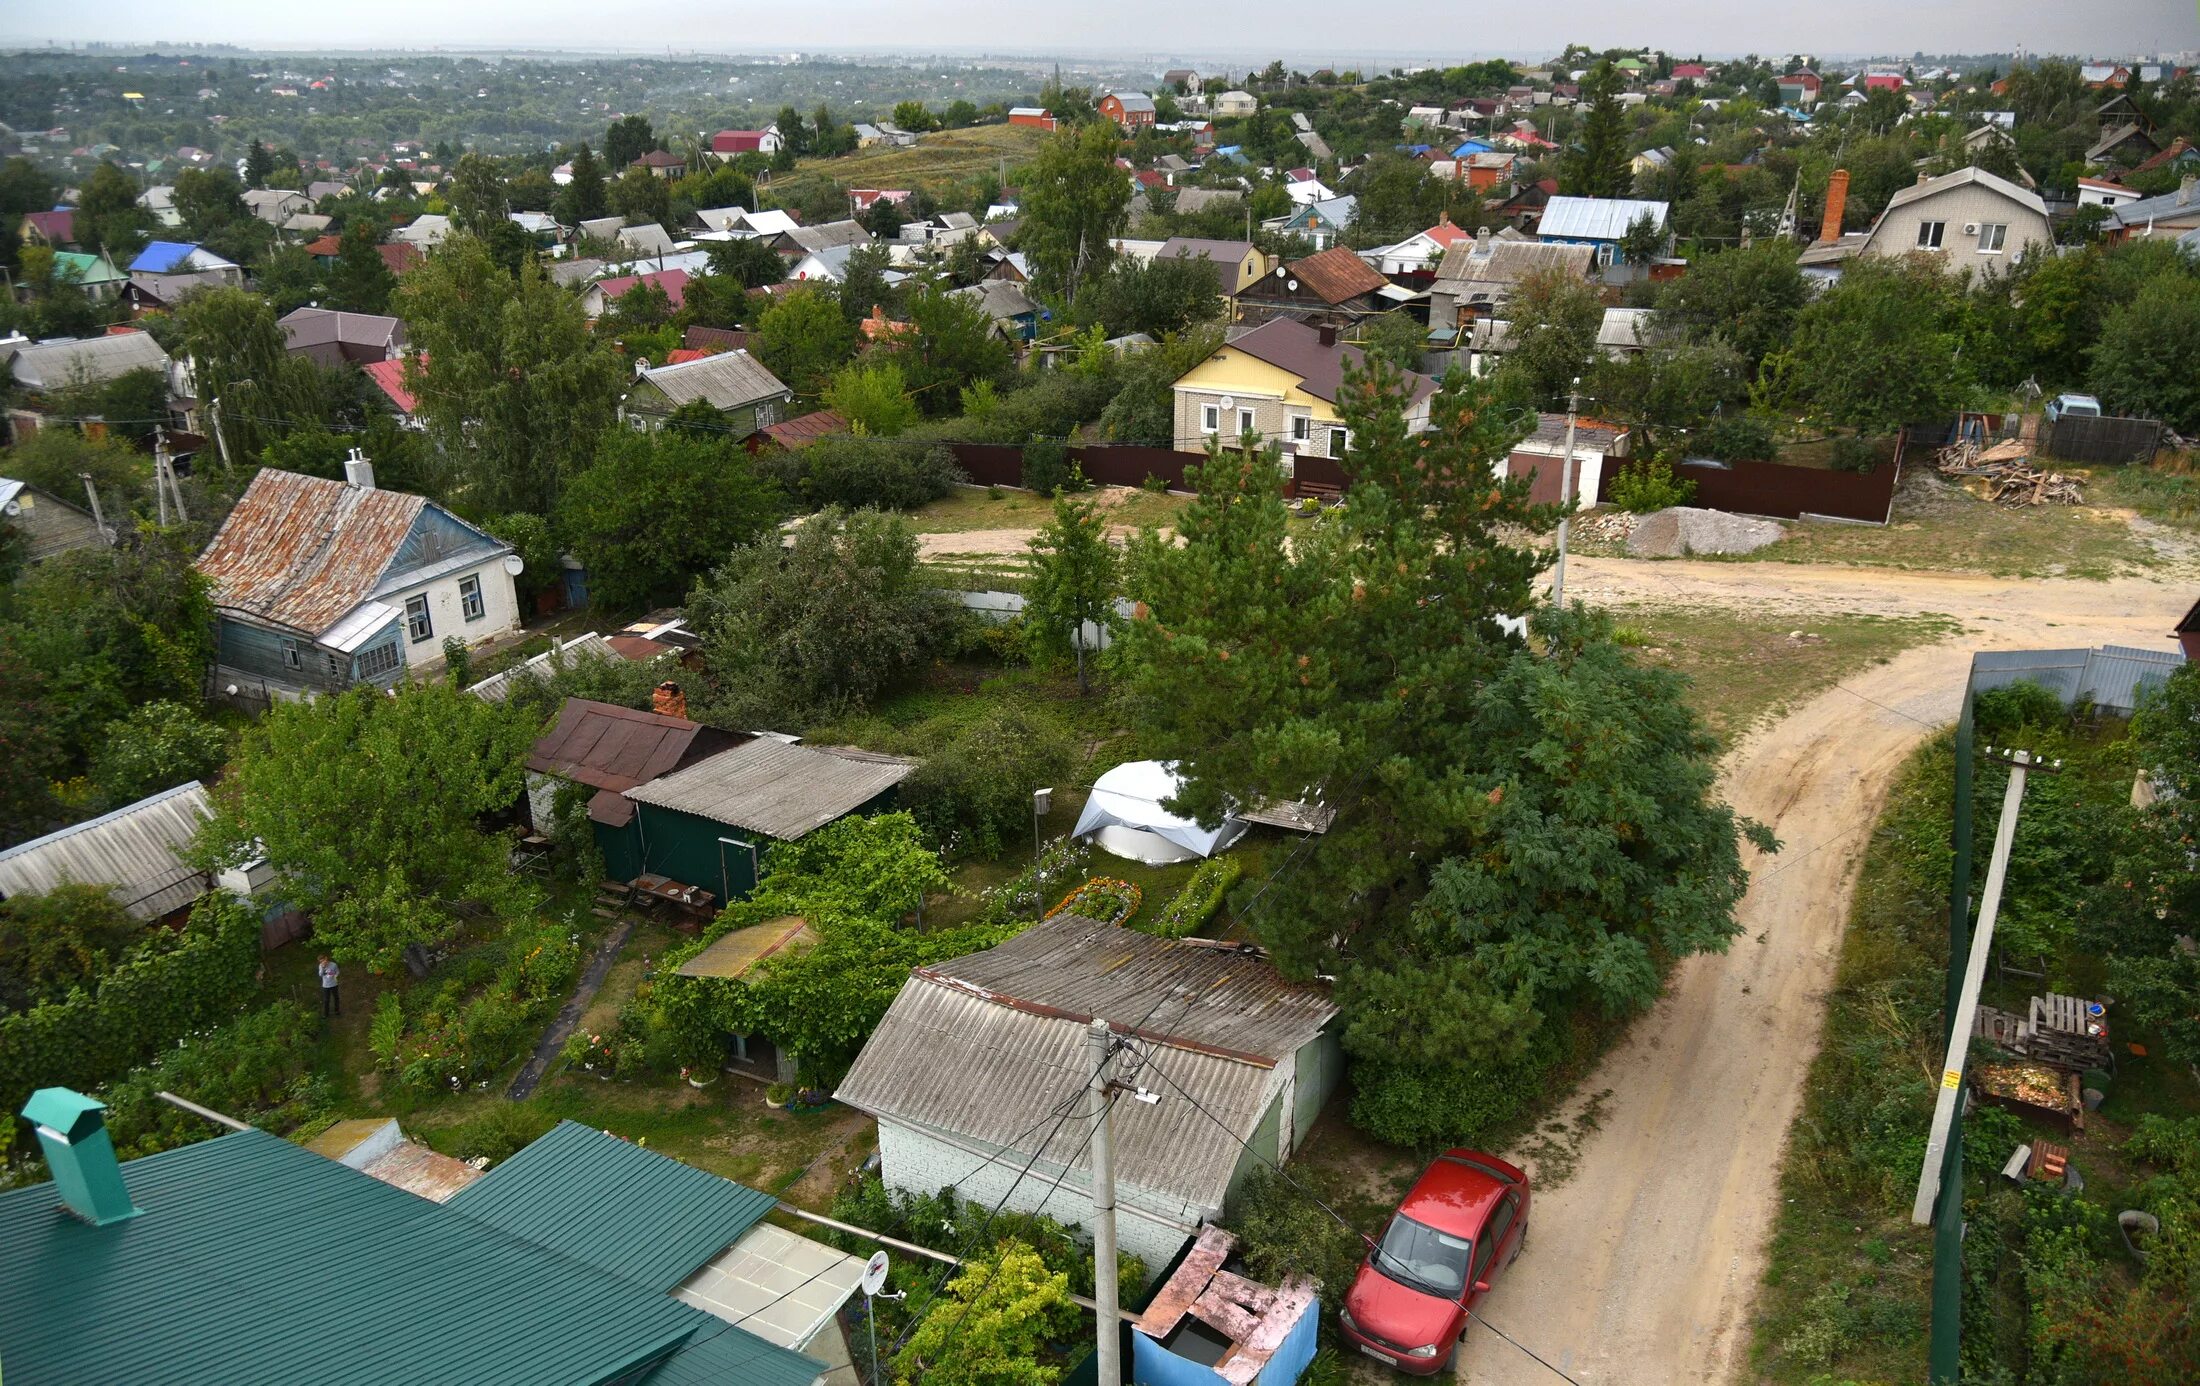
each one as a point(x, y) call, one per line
point(985, 1047)
point(497, 687)
point(133, 849)
point(726, 380)
point(646, 239)
point(1962, 177)
point(88, 360)
point(778, 790)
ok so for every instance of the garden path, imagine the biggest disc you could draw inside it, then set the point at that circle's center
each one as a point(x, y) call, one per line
point(569, 1015)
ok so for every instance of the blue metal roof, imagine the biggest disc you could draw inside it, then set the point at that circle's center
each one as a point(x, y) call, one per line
point(162, 257)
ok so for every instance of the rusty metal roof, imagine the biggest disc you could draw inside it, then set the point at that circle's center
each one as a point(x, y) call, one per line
point(301, 551)
point(615, 748)
point(985, 1047)
point(134, 849)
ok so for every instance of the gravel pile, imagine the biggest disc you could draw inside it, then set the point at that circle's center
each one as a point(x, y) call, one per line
point(1684, 530)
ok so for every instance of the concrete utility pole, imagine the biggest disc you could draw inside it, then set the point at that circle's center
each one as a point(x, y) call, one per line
point(1974, 974)
point(99, 521)
point(1565, 494)
point(1100, 1043)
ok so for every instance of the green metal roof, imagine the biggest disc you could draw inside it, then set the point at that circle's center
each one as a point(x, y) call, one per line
point(614, 1205)
point(257, 1261)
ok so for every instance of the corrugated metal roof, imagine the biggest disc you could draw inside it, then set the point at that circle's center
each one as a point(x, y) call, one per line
point(302, 551)
point(725, 380)
point(89, 360)
point(258, 1261)
point(2112, 678)
point(1962, 177)
point(612, 1205)
point(778, 790)
point(134, 849)
point(1495, 265)
point(1596, 218)
point(986, 1065)
point(610, 747)
point(732, 955)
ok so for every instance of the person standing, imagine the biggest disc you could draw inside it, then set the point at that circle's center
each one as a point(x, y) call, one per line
point(331, 1003)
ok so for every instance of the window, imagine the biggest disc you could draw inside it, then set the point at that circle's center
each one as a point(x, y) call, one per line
point(380, 660)
point(1246, 422)
point(469, 598)
point(290, 655)
point(1339, 440)
point(1991, 236)
point(417, 623)
point(1929, 234)
point(1302, 428)
point(1493, 1235)
point(1210, 418)
point(767, 413)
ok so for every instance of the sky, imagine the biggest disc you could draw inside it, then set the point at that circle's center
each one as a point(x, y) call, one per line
point(1323, 29)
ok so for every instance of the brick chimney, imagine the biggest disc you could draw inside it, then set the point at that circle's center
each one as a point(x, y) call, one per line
point(81, 1155)
point(666, 700)
point(1328, 334)
point(1837, 203)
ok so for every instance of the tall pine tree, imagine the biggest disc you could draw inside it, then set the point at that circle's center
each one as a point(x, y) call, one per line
point(584, 198)
point(1599, 166)
point(360, 281)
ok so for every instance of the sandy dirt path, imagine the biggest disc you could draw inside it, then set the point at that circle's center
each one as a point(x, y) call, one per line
point(1645, 1262)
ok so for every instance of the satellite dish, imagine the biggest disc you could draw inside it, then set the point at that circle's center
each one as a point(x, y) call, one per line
point(1227, 402)
point(514, 564)
point(1292, 285)
point(874, 1273)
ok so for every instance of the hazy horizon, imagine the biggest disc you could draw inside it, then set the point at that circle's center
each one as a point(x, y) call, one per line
point(962, 27)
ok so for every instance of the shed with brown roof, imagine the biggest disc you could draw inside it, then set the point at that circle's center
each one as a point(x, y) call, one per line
point(1335, 286)
point(612, 749)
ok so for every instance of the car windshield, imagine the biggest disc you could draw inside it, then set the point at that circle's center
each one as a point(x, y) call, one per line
point(1415, 1254)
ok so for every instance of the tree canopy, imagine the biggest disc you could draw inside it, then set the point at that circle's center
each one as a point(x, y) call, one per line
point(656, 510)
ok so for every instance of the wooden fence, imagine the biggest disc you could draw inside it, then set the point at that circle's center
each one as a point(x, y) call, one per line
point(1784, 492)
point(2100, 439)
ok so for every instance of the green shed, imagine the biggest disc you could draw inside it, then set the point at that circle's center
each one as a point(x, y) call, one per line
point(609, 749)
point(712, 823)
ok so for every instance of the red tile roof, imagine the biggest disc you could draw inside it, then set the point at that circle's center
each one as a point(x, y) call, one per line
point(57, 226)
point(324, 245)
point(680, 356)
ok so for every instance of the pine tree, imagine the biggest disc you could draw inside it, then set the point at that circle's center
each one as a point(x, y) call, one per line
point(1600, 165)
point(360, 281)
point(258, 164)
point(584, 198)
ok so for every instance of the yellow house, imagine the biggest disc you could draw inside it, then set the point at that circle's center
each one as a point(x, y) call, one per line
point(1279, 382)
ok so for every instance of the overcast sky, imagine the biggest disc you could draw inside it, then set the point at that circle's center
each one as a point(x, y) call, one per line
point(1158, 28)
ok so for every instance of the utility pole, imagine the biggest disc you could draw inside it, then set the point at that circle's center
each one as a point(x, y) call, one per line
point(99, 521)
point(1929, 1181)
point(1565, 495)
point(221, 441)
point(1100, 1044)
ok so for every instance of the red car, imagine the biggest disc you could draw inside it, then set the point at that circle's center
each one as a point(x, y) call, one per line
point(1455, 1231)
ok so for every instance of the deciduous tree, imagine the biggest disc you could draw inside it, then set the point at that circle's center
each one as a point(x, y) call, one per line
point(1075, 201)
point(656, 511)
point(1075, 575)
point(804, 338)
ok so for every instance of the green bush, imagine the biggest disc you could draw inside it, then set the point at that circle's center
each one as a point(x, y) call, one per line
point(1412, 1105)
point(1647, 485)
point(1853, 452)
point(482, 1016)
point(1736, 438)
point(973, 792)
point(500, 1132)
point(1047, 468)
point(256, 1068)
point(858, 471)
point(1999, 713)
point(1197, 900)
point(386, 1033)
point(1281, 1231)
point(137, 1008)
point(65, 938)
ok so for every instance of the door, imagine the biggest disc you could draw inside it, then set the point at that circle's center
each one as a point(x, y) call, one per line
point(1494, 1248)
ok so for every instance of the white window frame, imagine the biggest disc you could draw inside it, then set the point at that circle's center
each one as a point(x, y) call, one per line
point(471, 603)
point(419, 619)
point(1247, 421)
point(1340, 439)
point(1302, 429)
point(292, 659)
point(1931, 234)
point(1993, 237)
point(1210, 418)
point(767, 413)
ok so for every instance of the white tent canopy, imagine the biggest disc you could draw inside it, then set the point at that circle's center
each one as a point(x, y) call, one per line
point(1125, 816)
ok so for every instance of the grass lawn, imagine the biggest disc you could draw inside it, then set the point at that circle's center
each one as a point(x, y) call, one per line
point(937, 163)
point(981, 507)
point(1745, 668)
point(1941, 527)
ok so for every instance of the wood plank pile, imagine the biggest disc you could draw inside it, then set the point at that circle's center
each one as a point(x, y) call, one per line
point(2006, 474)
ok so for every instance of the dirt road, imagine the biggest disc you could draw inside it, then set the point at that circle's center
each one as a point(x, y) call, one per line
point(1644, 1264)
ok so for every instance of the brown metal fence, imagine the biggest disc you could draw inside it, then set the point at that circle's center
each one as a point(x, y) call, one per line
point(989, 465)
point(2100, 439)
point(1772, 488)
point(1108, 464)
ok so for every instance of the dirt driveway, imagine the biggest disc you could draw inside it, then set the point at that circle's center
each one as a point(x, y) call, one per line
point(1645, 1262)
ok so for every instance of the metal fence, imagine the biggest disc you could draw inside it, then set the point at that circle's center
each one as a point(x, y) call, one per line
point(1108, 464)
point(2101, 438)
point(1784, 492)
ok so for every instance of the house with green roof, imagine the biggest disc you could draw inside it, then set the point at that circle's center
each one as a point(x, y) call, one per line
point(246, 1259)
point(95, 275)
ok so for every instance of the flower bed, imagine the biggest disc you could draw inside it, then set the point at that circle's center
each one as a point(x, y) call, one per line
point(1103, 898)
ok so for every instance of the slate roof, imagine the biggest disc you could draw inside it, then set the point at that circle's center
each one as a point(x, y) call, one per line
point(133, 849)
point(647, 239)
point(2180, 204)
point(613, 1205)
point(59, 364)
point(498, 686)
point(1962, 177)
point(1291, 345)
point(257, 1261)
point(1000, 298)
point(1490, 268)
point(984, 1046)
point(778, 790)
point(302, 551)
point(725, 380)
point(824, 236)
